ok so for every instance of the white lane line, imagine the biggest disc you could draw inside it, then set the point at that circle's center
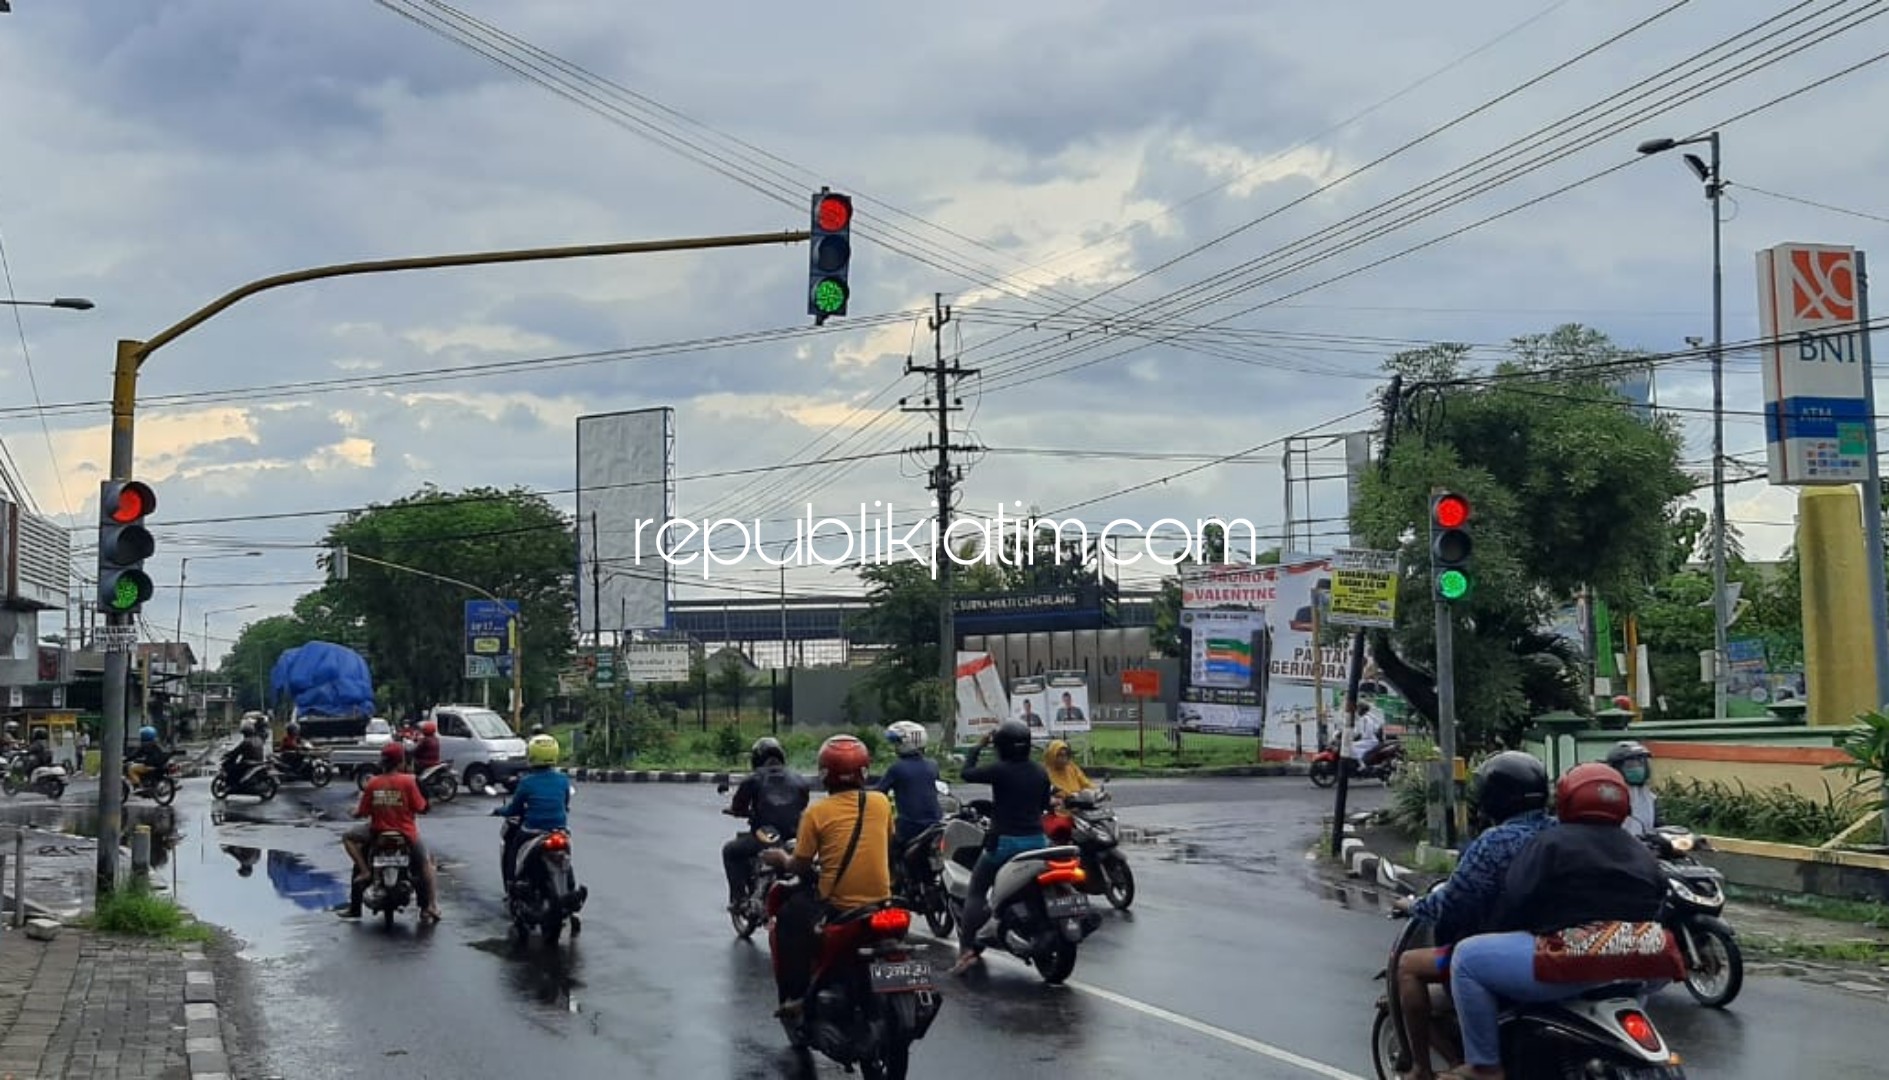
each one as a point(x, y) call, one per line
point(1199, 1027)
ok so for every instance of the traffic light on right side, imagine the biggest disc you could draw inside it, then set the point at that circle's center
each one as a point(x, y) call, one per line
point(123, 545)
point(830, 256)
point(1450, 545)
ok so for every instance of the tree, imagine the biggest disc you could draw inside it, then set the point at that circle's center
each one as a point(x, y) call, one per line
point(1571, 489)
point(731, 681)
point(512, 544)
point(902, 613)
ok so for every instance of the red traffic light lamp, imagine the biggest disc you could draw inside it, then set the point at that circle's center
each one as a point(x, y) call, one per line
point(830, 256)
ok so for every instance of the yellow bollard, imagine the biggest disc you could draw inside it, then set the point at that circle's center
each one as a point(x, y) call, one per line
point(1839, 658)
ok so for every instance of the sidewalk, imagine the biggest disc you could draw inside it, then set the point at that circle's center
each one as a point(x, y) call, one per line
point(97, 1005)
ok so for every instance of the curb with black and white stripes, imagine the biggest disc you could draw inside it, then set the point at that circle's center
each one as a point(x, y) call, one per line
point(648, 776)
point(1363, 864)
point(203, 1035)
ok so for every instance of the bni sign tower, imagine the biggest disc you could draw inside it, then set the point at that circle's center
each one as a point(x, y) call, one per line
point(1820, 432)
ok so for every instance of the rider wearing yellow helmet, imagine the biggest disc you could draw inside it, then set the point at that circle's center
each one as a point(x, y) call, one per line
point(541, 803)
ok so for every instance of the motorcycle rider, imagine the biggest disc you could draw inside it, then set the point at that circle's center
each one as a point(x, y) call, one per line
point(426, 748)
point(292, 750)
point(149, 758)
point(9, 737)
point(1369, 726)
point(389, 802)
point(1020, 794)
point(1634, 762)
point(1510, 794)
point(249, 751)
point(1585, 873)
point(850, 834)
point(39, 751)
point(1065, 778)
point(912, 781)
point(772, 794)
point(540, 804)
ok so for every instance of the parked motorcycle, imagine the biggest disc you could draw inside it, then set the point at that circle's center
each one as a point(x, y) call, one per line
point(307, 764)
point(1602, 1032)
point(1037, 914)
point(869, 998)
point(1380, 764)
point(160, 782)
point(1694, 913)
point(47, 780)
point(1093, 831)
point(256, 779)
point(545, 893)
point(390, 859)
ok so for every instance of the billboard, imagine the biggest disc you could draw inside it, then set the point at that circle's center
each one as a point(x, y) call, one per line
point(981, 702)
point(489, 638)
point(1068, 704)
point(35, 560)
point(1103, 654)
point(625, 474)
point(657, 661)
point(1816, 420)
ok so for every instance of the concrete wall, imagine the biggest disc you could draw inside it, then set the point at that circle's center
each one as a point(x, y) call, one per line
point(1758, 756)
point(820, 697)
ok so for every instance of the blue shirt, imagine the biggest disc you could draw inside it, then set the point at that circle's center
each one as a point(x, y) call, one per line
point(544, 798)
point(912, 782)
point(1464, 905)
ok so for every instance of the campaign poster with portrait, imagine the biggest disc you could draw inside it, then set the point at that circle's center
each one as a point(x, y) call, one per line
point(1068, 702)
point(1029, 702)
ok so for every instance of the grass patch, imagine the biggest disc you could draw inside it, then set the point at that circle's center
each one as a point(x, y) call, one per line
point(136, 911)
point(1861, 912)
point(1852, 952)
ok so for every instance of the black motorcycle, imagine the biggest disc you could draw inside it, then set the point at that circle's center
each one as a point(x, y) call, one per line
point(159, 783)
point(1096, 835)
point(391, 887)
point(750, 913)
point(307, 765)
point(236, 777)
point(544, 894)
point(1694, 913)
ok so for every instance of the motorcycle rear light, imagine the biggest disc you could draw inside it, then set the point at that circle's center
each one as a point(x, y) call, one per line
point(892, 921)
point(1062, 872)
point(557, 841)
point(1639, 1029)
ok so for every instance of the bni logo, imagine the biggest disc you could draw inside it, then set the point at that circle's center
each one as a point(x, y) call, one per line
point(1823, 285)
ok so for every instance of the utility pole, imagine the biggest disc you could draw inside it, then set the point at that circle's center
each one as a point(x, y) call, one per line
point(944, 477)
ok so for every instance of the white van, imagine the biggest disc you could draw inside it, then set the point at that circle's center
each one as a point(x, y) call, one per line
point(480, 744)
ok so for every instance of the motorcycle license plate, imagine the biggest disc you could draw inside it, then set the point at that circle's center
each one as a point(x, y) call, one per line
point(395, 861)
point(902, 977)
point(1063, 907)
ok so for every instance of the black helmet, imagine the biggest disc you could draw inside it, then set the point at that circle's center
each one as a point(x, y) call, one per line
point(1508, 784)
point(1012, 740)
point(1625, 751)
point(765, 750)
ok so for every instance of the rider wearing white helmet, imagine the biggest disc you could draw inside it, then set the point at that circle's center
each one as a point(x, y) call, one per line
point(912, 781)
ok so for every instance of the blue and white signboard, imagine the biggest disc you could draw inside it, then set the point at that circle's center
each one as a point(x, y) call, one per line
point(1816, 413)
point(489, 638)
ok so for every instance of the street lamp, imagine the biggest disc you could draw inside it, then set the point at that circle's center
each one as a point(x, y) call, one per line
point(70, 303)
point(183, 571)
point(206, 643)
point(1708, 174)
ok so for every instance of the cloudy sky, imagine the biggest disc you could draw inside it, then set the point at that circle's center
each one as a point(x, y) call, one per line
point(1054, 169)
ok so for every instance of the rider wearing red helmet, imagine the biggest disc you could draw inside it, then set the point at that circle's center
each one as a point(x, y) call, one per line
point(426, 748)
point(1579, 909)
point(848, 835)
point(389, 802)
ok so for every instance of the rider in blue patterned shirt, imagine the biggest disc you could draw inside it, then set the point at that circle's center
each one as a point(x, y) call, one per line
point(1510, 795)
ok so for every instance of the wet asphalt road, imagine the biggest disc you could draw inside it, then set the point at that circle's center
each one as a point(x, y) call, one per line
point(1235, 962)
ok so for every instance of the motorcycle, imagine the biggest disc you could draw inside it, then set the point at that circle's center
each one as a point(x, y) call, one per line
point(869, 1000)
point(1037, 914)
point(1694, 914)
point(1380, 764)
point(160, 782)
point(748, 915)
point(438, 783)
point(256, 778)
point(1600, 1033)
point(392, 887)
point(544, 893)
point(47, 780)
point(1091, 827)
point(304, 764)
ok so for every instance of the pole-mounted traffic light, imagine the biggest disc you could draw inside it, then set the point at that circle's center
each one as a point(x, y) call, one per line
point(829, 257)
point(1450, 545)
point(123, 545)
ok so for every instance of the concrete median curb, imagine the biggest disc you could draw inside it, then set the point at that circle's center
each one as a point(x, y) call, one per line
point(648, 776)
point(203, 1037)
point(1359, 861)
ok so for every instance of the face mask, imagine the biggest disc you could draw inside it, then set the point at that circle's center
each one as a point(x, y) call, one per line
point(1636, 773)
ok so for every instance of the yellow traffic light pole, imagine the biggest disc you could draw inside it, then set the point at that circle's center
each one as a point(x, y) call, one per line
point(131, 357)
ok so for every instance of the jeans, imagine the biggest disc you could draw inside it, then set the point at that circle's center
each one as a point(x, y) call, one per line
point(908, 865)
point(737, 861)
point(1486, 969)
point(977, 904)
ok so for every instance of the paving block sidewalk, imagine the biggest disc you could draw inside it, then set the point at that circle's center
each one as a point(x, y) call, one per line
point(105, 1007)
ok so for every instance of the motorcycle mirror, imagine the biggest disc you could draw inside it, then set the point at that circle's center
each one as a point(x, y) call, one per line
point(721, 788)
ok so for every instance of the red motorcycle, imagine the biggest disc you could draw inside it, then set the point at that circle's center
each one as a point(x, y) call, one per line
point(869, 999)
point(1380, 764)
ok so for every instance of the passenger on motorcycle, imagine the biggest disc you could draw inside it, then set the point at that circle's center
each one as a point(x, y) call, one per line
point(849, 833)
point(149, 757)
point(39, 751)
point(1579, 909)
point(389, 802)
point(1369, 726)
point(1634, 762)
point(542, 802)
point(912, 781)
point(1065, 778)
point(772, 795)
point(1510, 794)
point(426, 748)
point(9, 738)
point(1020, 795)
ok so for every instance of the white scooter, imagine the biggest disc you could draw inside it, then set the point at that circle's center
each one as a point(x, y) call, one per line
point(1037, 912)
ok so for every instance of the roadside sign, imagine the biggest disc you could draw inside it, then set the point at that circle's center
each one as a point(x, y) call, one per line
point(604, 660)
point(489, 628)
point(657, 661)
point(110, 638)
point(1141, 682)
point(482, 667)
point(1363, 588)
point(572, 682)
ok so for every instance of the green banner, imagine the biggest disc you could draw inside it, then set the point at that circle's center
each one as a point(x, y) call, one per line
point(1603, 642)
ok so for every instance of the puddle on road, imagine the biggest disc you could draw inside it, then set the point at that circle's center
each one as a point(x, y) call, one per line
point(1245, 861)
point(266, 896)
point(547, 975)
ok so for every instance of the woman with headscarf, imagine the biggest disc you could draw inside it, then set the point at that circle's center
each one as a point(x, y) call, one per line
point(1065, 778)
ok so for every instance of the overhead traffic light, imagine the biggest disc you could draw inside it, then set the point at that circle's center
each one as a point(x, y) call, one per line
point(830, 255)
point(1450, 545)
point(123, 545)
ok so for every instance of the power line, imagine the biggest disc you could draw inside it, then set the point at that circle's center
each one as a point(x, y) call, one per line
point(1866, 216)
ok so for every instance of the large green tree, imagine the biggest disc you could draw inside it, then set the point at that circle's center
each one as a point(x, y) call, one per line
point(512, 544)
point(1571, 488)
point(903, 600)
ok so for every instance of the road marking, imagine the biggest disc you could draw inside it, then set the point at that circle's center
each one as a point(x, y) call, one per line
point(1199, 1027)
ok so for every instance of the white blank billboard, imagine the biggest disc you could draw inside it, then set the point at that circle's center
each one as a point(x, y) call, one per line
point(623, 476)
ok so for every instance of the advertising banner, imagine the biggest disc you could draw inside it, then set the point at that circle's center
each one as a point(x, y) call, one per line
point(1068, 702)
point(1816, 422)
point(489, 638)
point(1029, 702)
point(656, 661)
point(1363, 588)
point(981, 701)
